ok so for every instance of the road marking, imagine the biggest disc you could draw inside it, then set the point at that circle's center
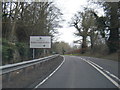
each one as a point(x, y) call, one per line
point(109, 78)
point(112, 75)
point(96, 64)
point(51, 73)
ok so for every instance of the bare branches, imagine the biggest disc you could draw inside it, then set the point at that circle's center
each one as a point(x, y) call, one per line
point(35, 18)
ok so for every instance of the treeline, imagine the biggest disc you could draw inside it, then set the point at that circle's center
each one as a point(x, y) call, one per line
point(20, 20)
point(99, 33)
point(61, 47)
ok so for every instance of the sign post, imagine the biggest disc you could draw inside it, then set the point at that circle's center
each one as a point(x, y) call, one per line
point(43, 42)
point(33, 53)
point(44, 52)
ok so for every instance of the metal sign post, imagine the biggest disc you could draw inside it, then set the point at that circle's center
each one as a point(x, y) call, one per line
point(44, 52)
point(33, 53)
point(40, 42)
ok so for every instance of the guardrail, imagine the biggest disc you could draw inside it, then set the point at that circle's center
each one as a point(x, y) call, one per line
point(13, 67)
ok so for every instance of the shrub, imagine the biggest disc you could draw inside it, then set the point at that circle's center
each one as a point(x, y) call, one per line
point(7, 51)
point(23, 50)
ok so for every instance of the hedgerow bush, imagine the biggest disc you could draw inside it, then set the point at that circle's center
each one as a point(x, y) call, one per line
point(8, 51)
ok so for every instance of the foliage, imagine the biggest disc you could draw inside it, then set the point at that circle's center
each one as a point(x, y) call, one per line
point(9, 48)
point(7, 51)
point(109, 25)
point(20, 20)
point(89, 23)
point(86, 24)
point(112, 12)
point(61, 47)
point(23, 50)
point(25, 19)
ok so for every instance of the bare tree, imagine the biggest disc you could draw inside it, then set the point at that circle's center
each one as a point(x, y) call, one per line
point(85, 23)
point(20, 20)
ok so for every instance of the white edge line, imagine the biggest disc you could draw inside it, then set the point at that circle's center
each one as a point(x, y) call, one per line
point(109, 78)
point(96, 65)
point(103, 69)
point(51, 73)
point(106, 71)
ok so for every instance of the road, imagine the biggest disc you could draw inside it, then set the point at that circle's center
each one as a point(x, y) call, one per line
point(77, 72)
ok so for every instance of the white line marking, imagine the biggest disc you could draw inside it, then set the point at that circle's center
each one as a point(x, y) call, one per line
point(109, 78)
point(96, 65)
point(50, 74)
point(106, 71)
point(112, 75)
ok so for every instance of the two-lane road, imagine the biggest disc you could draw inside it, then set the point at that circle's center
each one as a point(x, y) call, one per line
point(76, 73)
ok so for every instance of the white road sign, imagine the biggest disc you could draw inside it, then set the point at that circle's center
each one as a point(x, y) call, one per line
point(40, 41)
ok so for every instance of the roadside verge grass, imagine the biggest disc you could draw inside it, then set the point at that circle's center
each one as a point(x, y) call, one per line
point(113, 56)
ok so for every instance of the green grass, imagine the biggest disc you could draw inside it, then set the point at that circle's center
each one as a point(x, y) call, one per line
point(113, 56)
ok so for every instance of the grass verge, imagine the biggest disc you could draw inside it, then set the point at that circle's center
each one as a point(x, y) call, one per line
point(113, 56)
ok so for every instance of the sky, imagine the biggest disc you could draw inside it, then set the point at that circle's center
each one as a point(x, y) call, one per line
point(69, 8)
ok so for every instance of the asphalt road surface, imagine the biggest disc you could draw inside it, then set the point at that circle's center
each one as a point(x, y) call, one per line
point(76, 72)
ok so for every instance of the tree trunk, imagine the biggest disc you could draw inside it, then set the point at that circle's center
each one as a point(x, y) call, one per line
point(91, 40)
point(12, 36)
point(84, 45)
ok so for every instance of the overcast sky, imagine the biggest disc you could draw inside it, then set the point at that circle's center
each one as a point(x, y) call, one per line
point(69, 8)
